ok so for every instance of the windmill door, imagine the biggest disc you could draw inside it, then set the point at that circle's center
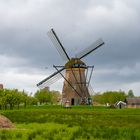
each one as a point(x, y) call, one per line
point(72, 101)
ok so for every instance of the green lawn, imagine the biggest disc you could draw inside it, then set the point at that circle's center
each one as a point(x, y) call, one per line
point(77, 123)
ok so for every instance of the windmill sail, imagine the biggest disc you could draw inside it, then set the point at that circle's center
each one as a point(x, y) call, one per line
point(55, 40)
point(51, 79)
point(90, 89)
point(90, 49)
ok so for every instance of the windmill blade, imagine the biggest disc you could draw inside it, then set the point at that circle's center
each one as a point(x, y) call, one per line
point(55, 40)
point(51, 79)
point(90, 89)
point(90, 75)
point(90, 49)
point(88, 79)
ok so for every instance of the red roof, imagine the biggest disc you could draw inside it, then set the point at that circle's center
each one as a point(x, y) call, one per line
point(133, 100)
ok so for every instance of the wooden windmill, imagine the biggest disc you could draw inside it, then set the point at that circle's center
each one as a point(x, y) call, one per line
point(75, 73)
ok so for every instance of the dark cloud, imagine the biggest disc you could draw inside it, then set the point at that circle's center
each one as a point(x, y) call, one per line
point(26, 48)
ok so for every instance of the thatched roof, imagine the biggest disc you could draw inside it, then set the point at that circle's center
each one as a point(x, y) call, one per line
point(75, 63)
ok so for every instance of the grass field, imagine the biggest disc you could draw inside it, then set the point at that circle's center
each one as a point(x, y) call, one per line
point(77, 123)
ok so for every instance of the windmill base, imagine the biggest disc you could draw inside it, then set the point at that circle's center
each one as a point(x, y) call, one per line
point(76, 101)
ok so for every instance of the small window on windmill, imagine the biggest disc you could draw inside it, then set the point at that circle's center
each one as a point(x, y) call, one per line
point(76, 65)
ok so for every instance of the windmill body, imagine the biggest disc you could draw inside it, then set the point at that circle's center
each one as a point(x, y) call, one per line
point(76, 82)
point(75, 88)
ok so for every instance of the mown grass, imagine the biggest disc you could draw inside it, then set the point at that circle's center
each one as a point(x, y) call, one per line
point(79, 123)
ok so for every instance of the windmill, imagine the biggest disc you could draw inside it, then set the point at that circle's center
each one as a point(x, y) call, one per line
point(75, 72)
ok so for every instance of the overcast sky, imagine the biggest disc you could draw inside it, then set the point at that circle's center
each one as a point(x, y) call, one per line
point(27, 55)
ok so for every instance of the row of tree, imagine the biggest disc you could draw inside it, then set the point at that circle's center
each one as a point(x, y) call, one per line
point(15, 99)
point(112, 97)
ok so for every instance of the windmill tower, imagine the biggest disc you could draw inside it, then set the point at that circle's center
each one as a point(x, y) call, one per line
point(75, 73)
point(75, 89)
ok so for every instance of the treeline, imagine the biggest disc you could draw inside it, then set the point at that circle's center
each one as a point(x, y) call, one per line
point(111, 97)
point(12, 98)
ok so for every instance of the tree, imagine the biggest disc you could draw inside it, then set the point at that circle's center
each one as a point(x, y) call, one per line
point(1, 98)
point(98, 98)
point(113, 96)
point(110, 97)
point(12, 98)
point(56, 97)
point(130, 93)
point(46, 96)
point(42, 96)
point(31, 100)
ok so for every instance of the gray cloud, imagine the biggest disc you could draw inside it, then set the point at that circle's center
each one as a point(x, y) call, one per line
point(26, 49)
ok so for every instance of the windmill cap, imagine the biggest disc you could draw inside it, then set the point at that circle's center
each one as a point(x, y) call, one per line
point(75, 63)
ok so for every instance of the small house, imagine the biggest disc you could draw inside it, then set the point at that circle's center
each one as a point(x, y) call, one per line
point(133, 102)
point(120, 104)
